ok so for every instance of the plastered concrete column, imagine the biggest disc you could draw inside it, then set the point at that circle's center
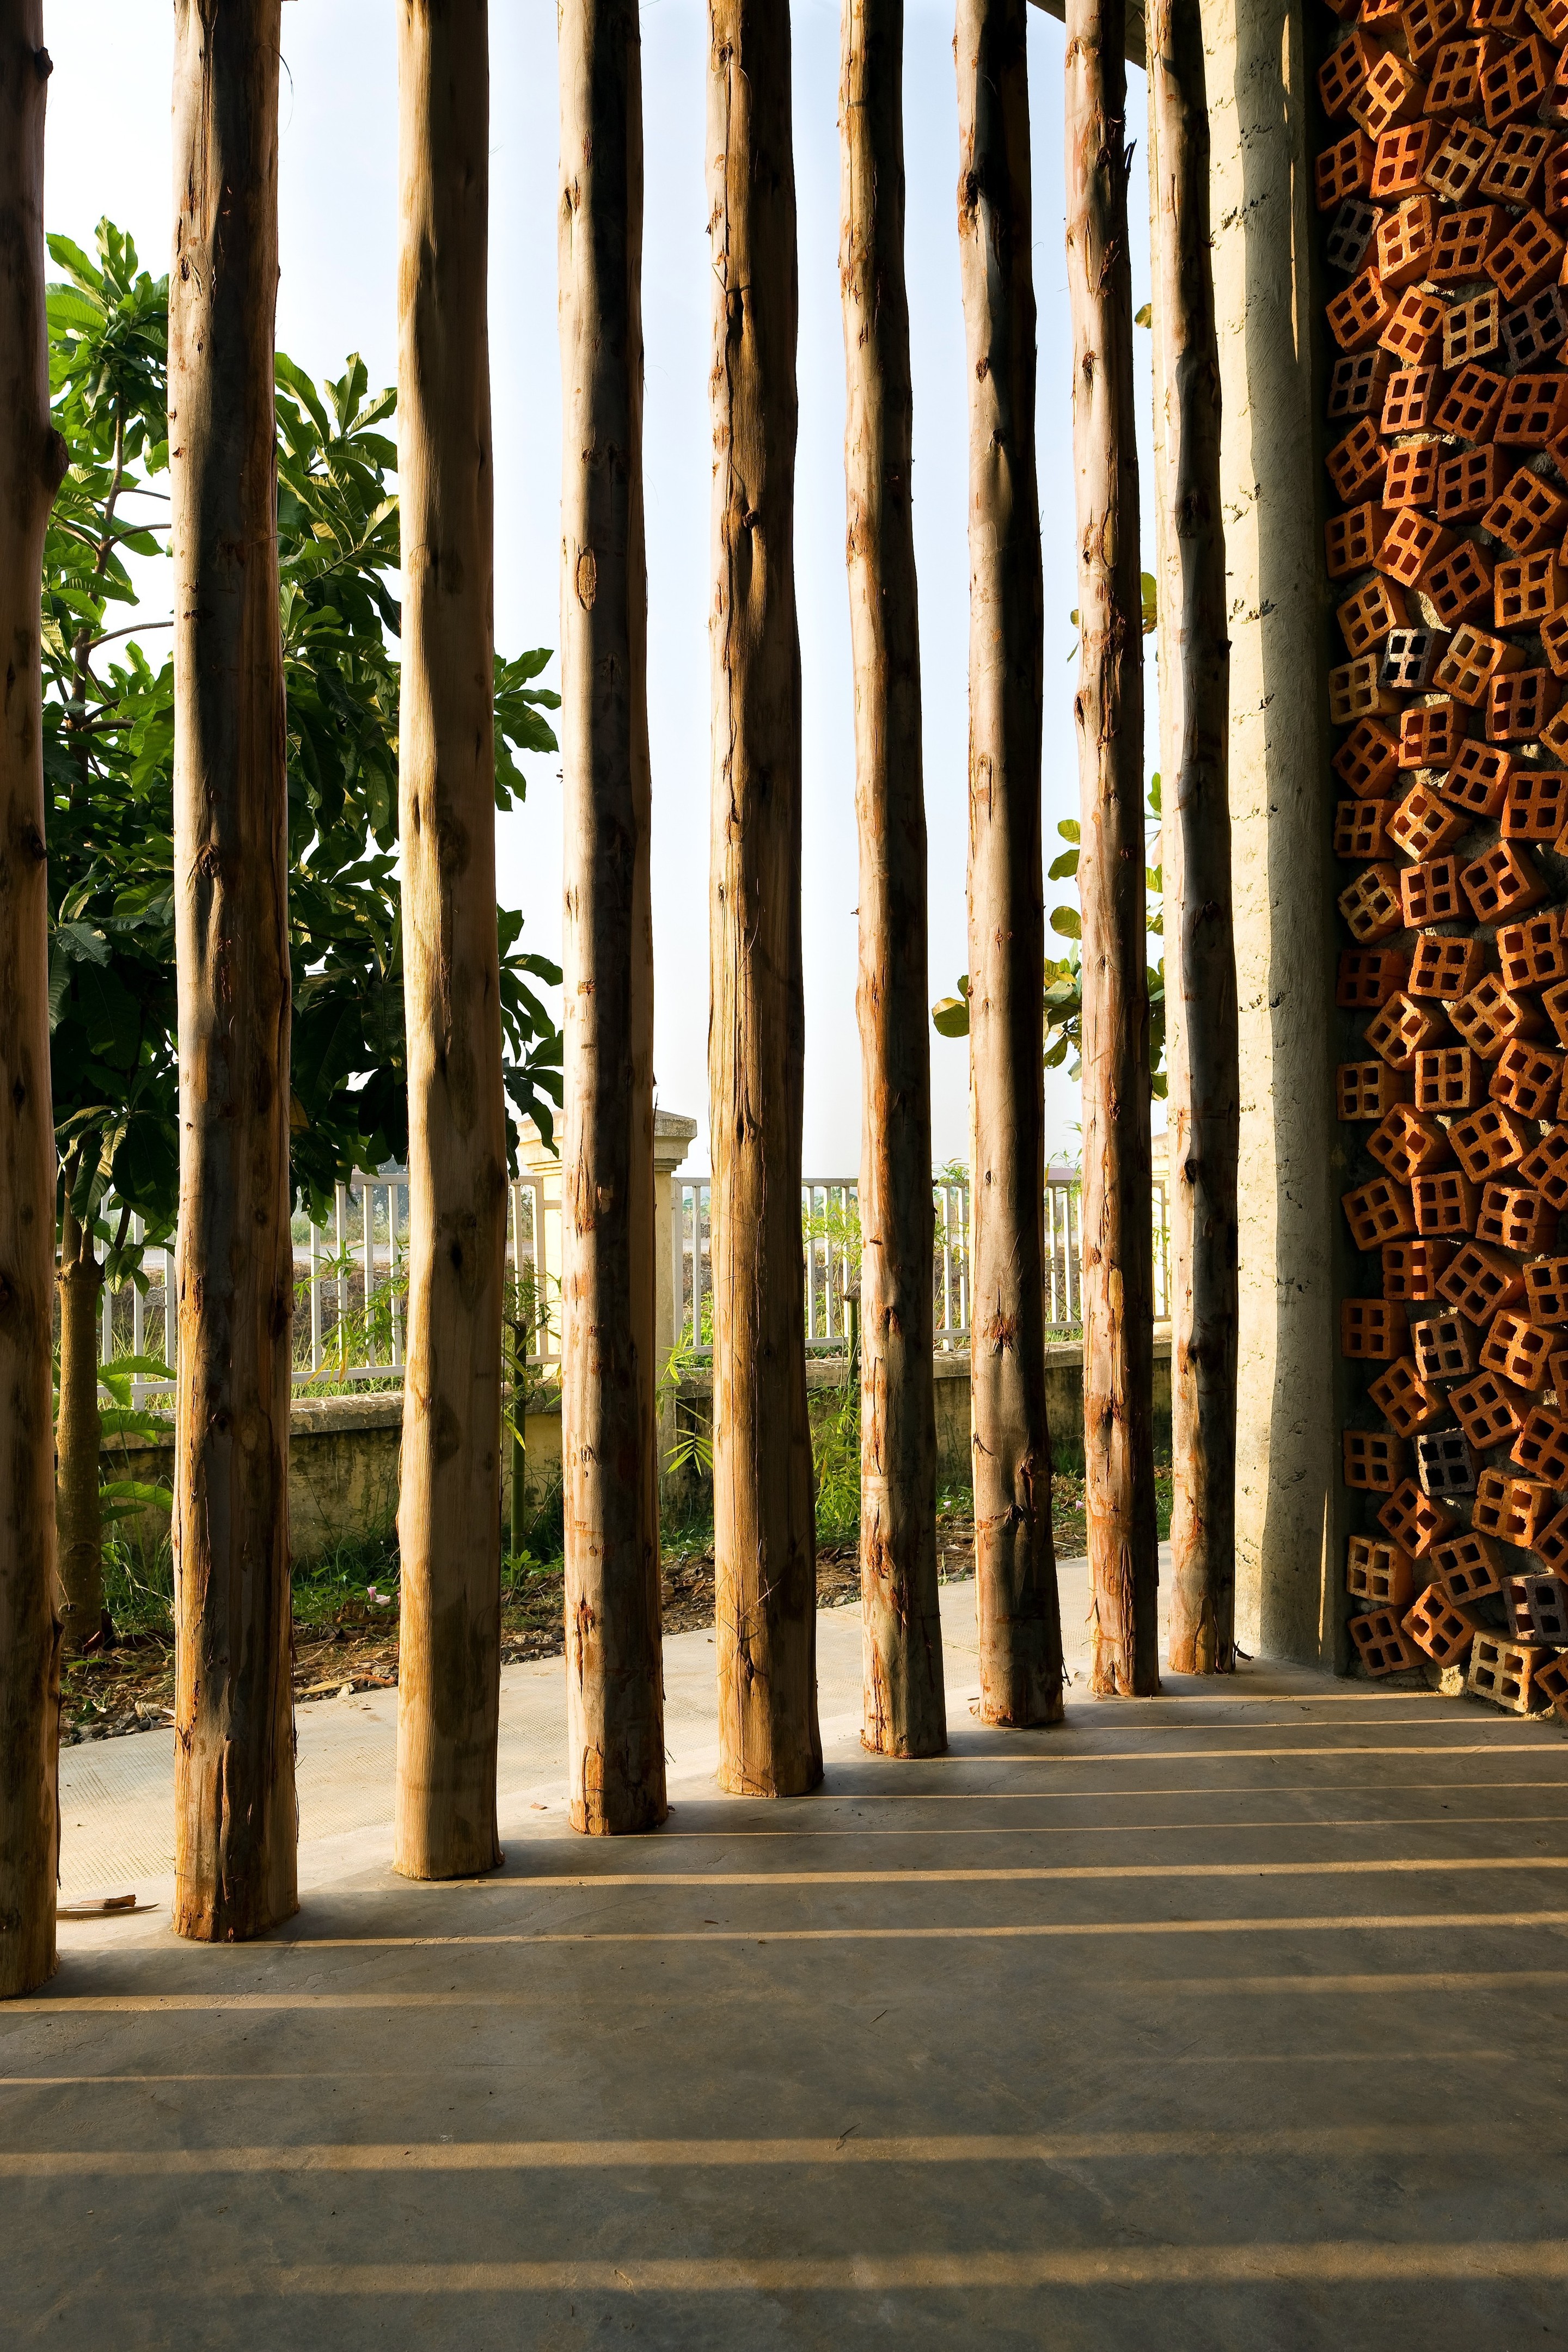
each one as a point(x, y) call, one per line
point(1287, 1473)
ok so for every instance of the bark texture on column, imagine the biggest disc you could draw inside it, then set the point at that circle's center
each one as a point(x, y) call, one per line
point(1203, 1109)
point(615, 1694)
point(1015, 1565)
point(32, 462)
point(78, 1512)
point(904, 1703)
point(448, 1513)
point(764, 1517)
point(236, 1822)
point(1118, 1241)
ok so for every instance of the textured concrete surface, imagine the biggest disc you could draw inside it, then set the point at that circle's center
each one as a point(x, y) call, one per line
point(1225, 2020)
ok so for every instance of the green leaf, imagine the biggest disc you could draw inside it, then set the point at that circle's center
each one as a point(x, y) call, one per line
point(1154, 795)
point(949, 1017)
point(1063, 869)
point(1145, 317)
point(1069, 829)
point(1067, 921)
point(1151, 605)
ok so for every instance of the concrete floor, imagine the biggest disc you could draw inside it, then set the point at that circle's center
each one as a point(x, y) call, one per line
point(1229, 2020)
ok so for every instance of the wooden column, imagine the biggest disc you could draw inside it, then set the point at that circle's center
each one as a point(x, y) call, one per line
point(1015, 1565)
point(765, 1531)
point(615, 1692)
point(32, 463)
point(236, 1822)
point(449, 1512)
point(904, 1707)
point(1203, 1109)
point(1118, 1243)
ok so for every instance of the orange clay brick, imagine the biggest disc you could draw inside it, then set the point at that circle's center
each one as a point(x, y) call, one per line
point(1531, 954)
point(1471, 402)
point(1444, 1348)
point(1370, 905)
point(1373, 1460)
point(1400, 1029)
point(1379, 1573)
point(1486, 15)
point(1554, 734)
point(1487, 1410)
point(1353, 540)
point(1555, 107)
point(1345, 170)
point(1369, 1090)
point(1448, 1078)
point(1535, 805)
point(1551, 1543)
point(1509, 1508)
point(1459, 584)
point(1357, 315)
point(1488, 1139)
point(1378, 1211)
point(1526, 512)
point(1356, 690)
point(1410, 544)
point(1454, 85)
point(1349, 245)
point(1465, 486)
point(1404, 245)
point(1368, 978)
point(1463, 241)
point(1514, 83)
point(1544, 1168)
point(1555, 1004)
point(1560, 1377)
point(1355, 464)
point(1488, 1017)
point(1413, 1269)
point(1541, 1452)
point(1536, 1608)
point(1477, 781)
point(1423, 825)
point(1546, 1290)
point(1382, 1645)
point(1356, 382)
point(1372, 1330)
point(1428, 24)
point(1554, 196)
point(1413, 334)
point(1394, 92)
point(1445, 968)
point(1366, 617)
point(1550, 1682)
point(1527, 1078)
point(1526, 590)
point(1505, 1671)
point(1516, 1349)
point(1410, 396)
point(1532, 330)
point(1409, 655)
point(1467, 1566)
point(1518, 703)
point(1471, 331)
point(1444, 1203)
point(1428, 893)
point(1434, 1625)
point(1471, 662)
point(1343, 72)
point(1477, 1281)
point(1401, 159)
point(1413, 1520)
point(1367, 762)
point(1533, 411)
point(1512, 171)
point(1512, 1218)
point(1519, 265)
point(1405, 1142)
point(1411, 479)
point(1500, 883)
point(1451, 174)
point(1554, 643)
point(1360, 828)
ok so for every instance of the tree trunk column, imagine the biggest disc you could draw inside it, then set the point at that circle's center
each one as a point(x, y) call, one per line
point(78, 1514)
point(1200, 950)
point(614, 1692)
point(448, 1517)
point(904, 1708)
point(32, 462)
point(1118, 1212)
point(236, 1822)
point(763, 1522)
point(1015, 1563)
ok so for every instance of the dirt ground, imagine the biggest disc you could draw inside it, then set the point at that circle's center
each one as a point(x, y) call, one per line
point(131, 1687)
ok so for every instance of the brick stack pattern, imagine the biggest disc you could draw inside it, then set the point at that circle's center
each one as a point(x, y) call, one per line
point(1442, 189)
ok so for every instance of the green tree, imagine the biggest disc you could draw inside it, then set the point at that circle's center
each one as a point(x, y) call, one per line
point(109, 747)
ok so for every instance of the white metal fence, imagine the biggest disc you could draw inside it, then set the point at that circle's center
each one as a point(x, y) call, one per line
point(350, 1279)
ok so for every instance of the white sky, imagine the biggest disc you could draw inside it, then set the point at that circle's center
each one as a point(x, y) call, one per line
point(108, 152)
